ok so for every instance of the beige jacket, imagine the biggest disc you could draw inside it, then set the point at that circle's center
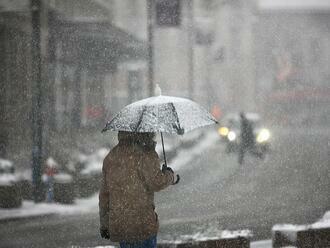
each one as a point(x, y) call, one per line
point(131, 175)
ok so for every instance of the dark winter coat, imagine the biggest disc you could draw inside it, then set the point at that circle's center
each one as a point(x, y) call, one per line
point(247, 136)
point(131, 175)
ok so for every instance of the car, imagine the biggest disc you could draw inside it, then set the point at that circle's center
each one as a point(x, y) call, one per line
point(10, 195)
point(229, 131)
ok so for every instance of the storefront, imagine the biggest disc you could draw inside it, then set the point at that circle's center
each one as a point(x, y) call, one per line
point(305, 107)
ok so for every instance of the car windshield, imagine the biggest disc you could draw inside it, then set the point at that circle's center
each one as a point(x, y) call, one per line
point(234, 124)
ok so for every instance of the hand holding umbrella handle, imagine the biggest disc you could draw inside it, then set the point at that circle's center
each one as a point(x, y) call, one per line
point(165, 167)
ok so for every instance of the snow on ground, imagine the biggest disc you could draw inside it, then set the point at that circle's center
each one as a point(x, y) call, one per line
point(257, 244)
point(7, 176)
point(7, 179)
point(94, 161)
point(31, 209)
point(261, 244)
point(224, 234)
point(185, 156)
point(110, 246)
point(326, 217)
point(324, 222)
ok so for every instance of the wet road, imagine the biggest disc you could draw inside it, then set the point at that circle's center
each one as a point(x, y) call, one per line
point(290, 186)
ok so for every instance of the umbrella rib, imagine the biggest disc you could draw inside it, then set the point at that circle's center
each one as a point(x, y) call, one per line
point(162, 120)
point(141, 118)
point(108, 124)
point(175, 113)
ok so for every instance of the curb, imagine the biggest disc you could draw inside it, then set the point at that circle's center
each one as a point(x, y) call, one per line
point(30, 217)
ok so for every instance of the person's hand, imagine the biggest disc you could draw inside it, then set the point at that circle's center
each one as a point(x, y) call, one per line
point(165, 168)
point(105, 233)
point(175, 176)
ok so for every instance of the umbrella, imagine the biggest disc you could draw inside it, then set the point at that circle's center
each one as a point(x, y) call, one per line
point(164, 114)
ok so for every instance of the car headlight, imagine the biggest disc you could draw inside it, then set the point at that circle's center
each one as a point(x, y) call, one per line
point(231, 136)
point(223, 131)
point(263, 135)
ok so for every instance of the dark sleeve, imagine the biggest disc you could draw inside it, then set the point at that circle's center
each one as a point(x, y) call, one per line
point(104, 199)
point(152, 175)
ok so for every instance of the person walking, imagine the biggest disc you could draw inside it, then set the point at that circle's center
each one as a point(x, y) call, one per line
point(131, 175)
point(50, 171)
point(247, 142)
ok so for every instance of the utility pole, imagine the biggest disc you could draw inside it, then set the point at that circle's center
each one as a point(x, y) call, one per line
point(150, 10)
point(191, 41)
point(37, 122)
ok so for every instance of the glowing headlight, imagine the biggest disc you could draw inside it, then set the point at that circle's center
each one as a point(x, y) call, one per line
point(223, 131)
point(263, 135)
point(231, 136)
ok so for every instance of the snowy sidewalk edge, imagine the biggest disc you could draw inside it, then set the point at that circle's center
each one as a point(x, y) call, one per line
point(30, 209)
point(25, 217)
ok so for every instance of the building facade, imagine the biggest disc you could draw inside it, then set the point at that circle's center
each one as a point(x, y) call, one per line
point(233, 55)
point(293, 58)
point(83, 53)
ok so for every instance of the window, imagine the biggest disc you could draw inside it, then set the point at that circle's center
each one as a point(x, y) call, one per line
point(134, 85)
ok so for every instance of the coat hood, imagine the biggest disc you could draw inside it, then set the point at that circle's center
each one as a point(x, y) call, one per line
point(128, 136)
point(144, 139)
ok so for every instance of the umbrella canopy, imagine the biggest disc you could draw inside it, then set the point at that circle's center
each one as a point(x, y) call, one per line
point(166, 114)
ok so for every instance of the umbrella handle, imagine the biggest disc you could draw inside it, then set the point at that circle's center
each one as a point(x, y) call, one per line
point(177, 179)
point(177, 176)
point(161, 135)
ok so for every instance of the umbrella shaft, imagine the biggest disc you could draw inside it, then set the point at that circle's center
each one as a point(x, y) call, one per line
point(161, 135)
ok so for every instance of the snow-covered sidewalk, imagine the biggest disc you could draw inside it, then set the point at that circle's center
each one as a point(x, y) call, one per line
point(31, 209)
point(257, 244)
point(185, 156)
point(90, 205)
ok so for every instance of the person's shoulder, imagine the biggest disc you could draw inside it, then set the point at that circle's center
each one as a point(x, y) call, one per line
point(110, 154)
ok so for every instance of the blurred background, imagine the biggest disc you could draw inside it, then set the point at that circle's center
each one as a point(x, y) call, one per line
point(67, 67)
point(266, 56)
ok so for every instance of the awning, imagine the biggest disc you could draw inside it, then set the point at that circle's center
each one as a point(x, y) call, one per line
point(301, 95)
point(93, 43)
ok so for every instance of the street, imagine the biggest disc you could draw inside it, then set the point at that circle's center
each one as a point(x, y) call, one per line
point(74, 73)
point(290, 186)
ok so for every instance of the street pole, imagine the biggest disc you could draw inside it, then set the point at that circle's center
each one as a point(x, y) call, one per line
point(37, 123)
point(150, 9)
point(191, 41)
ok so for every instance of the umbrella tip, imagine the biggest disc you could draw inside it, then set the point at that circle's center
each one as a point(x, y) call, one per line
point(105, 128)
point(157, 90)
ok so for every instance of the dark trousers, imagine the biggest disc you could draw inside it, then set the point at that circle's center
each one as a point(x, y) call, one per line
point(246, 148)
point(148, 243)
